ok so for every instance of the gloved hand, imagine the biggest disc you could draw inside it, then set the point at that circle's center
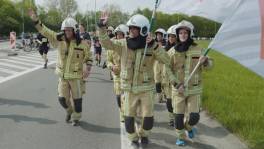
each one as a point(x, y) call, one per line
point(180, 87)
point(59, 36)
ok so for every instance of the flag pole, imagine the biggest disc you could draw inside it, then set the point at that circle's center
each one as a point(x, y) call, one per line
point(196, 67)
point(151, 26)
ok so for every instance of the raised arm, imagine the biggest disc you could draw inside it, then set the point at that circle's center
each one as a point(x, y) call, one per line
point(103, 37)
point(51, 35)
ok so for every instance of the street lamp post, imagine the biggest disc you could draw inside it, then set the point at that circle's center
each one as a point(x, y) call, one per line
point(95, 14)
point(23, 18)
point(87, 18)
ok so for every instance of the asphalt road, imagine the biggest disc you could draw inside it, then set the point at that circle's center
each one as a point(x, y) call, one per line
point(31, 117)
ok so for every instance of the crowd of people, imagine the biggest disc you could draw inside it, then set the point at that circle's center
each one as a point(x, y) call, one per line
point(139, 75)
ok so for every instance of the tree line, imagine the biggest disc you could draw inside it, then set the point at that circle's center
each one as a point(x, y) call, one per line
point(13, 16)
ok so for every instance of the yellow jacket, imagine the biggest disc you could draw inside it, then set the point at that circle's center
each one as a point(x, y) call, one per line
point(183, 64)
point(113, 59)
point(136, 76)
point(69, 64)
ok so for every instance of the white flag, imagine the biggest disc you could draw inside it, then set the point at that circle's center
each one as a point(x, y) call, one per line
point(241, 35)
point(217, 10)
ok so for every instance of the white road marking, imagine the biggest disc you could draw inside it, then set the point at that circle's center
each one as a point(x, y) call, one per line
point(32, 58)
point(8, 71)
point(13, 61)
point(14, 66)
point(26, 60)
point(30, 63)
point(22, 73)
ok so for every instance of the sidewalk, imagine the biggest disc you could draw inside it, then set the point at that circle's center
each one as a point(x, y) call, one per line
point(210, 134)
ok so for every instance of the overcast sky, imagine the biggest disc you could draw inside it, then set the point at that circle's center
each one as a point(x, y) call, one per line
point(126, 5)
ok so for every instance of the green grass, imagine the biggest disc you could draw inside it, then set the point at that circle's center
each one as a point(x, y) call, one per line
point(235, 96)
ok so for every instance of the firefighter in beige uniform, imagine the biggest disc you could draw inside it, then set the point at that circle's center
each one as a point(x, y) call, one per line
point(113, 63)
point(137, 78)
point(166, 86)
point(85, 36)
point(160, 34)
point(184, 57)
point(72, 54)
point(110, 34)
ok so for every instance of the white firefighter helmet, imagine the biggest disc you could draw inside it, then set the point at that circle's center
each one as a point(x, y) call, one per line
point(162, 31)
point(110, 28)
point(122, 28)
point(172, 30)
point(141, 22)
point(69, 22)
point(185, 24)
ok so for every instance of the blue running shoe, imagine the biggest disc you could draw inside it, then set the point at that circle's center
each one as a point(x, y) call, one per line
point(180, 142)
point(192, 133)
